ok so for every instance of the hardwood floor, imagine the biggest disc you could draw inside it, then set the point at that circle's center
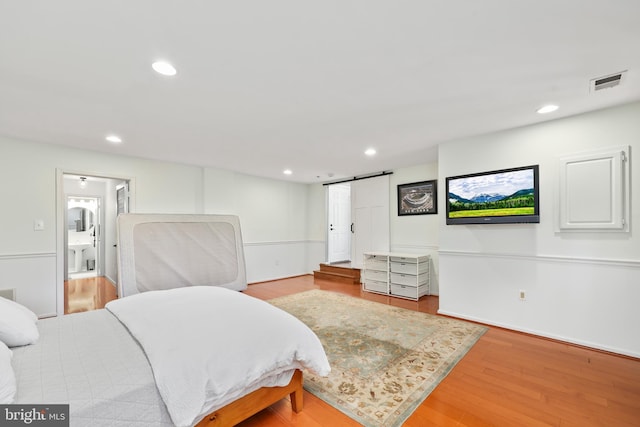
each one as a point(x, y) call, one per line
point(506, 379)
point(87, 294)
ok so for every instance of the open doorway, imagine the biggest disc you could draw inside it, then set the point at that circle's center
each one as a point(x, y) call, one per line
point(83, 236)
point(86, 242)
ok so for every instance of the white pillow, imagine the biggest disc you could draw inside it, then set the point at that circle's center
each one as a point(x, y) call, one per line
point(17, 324)
point(7, 376)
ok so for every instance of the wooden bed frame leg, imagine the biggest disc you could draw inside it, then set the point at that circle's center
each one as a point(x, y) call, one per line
point(296, 395)
point(243, 408)
point(296, 401)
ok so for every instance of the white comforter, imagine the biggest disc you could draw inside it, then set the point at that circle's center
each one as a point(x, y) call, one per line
point(208, 346)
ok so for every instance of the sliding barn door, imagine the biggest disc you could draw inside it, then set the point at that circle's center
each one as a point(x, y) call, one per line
point(370, 215)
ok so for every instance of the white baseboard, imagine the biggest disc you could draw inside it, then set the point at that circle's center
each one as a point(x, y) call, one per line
point(541, 334)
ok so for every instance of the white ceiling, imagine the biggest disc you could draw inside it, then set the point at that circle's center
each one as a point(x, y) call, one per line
point(306, 85)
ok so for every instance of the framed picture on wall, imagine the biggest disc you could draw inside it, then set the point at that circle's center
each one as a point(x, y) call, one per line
point(418, 198)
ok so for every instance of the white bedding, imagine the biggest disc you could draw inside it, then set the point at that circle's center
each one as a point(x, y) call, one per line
point(224, 345)
point(89, 361)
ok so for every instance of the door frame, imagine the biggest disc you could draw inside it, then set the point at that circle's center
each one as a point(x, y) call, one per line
point(61, 229)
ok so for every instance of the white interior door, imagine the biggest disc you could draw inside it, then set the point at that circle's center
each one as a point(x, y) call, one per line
point(370, 213)
point(97, 240)
point(339, 223)
point(122, 207)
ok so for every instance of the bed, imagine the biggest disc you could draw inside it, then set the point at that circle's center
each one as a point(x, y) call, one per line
point(188, 355)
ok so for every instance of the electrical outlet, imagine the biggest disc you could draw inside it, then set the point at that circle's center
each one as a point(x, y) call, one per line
point(522, 295)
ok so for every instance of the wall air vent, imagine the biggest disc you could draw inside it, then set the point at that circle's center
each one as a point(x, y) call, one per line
point(607, 82)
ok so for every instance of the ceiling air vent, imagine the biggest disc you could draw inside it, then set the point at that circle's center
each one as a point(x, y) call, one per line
point(607, 82)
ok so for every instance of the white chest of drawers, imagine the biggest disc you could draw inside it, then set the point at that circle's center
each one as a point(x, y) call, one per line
point(396, 274)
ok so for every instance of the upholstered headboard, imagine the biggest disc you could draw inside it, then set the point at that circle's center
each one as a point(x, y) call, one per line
point(158, 251)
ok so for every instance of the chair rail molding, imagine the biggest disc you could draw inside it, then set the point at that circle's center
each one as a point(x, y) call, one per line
point(28, 255)
point(549, 258)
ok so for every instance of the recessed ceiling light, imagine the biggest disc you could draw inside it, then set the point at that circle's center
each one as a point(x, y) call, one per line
point(164, 68)
point(114, 139)
point(287, 171)
point(547, 109)
point(370, 152)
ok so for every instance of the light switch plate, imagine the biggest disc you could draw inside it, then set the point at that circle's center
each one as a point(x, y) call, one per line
point(38, 225)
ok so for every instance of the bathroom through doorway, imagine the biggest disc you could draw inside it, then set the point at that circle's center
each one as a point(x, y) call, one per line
point(92, 204)
point(83, 236)
point(86, 221)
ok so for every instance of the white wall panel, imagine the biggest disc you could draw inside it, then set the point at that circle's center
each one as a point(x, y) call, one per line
point(316, 253)
point(33, 276)
point(275, 260)
point(581, 286)
point(587, 302)
point(594, 190)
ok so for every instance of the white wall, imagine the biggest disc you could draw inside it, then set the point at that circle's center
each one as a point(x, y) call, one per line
point(273, 217)
point(415, 233)
point(273, 213)
point(581, 287)
point(283, 223)
point(316, 226)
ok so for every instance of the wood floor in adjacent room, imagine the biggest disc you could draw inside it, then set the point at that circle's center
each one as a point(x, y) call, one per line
point(506, 379)
point(87, 294)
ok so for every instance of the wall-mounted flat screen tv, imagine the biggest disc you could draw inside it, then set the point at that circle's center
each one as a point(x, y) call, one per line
point(496, 197)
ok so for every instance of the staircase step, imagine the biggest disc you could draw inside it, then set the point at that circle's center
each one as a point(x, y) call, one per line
point(347, 271)
point(338, 274)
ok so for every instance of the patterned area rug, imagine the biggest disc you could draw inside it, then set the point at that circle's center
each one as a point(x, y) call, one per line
point(384, 360)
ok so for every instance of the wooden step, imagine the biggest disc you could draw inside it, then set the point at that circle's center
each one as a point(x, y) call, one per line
point(337, 273)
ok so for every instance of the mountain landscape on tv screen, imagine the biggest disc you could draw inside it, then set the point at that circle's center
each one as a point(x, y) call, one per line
point(520, 199)
point(483, 198)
